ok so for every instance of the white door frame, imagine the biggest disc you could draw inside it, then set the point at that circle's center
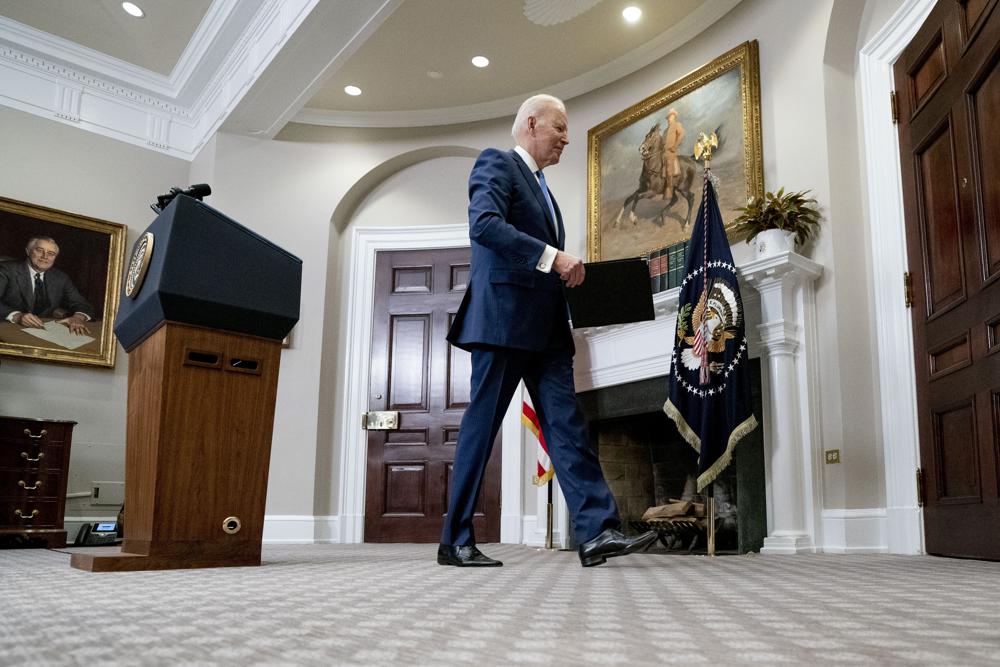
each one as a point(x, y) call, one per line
point(365, 243)
point(887, 237)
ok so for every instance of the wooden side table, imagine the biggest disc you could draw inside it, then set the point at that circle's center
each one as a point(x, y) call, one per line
point(34, 467)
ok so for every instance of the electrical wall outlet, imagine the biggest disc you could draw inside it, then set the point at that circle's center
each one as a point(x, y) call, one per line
point(833, 456)
point(107, 493)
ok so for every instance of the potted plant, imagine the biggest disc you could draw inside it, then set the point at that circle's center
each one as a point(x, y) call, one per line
point(778, 221)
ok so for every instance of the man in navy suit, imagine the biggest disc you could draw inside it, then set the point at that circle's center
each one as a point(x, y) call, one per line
point(33, 289)
point(513, 320)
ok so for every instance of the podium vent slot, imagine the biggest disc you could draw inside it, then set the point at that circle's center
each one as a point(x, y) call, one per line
point(244, 365)
point(201, 358)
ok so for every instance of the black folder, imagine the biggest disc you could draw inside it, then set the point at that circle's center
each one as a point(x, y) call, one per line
point(613, 292)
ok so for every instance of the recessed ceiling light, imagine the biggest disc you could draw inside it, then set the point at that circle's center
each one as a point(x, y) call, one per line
point(133, 9)
point(481, 61)
point(352, 90)
point(434, 74)
point(632, 14)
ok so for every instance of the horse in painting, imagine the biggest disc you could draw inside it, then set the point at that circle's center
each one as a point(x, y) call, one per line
point(653, 182)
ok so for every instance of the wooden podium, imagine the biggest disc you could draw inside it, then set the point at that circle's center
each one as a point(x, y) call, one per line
point(201, 392)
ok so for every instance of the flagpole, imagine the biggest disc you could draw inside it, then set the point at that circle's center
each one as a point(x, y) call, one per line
point(548, 518)
point(703, 150)
point(711, 518)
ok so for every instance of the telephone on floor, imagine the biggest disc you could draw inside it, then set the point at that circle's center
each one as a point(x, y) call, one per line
point(97, 534)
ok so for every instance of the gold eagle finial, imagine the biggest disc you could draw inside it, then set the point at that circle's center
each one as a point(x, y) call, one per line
point(704, 146)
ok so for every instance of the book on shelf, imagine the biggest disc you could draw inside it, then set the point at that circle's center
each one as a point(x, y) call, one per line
point(655, 269)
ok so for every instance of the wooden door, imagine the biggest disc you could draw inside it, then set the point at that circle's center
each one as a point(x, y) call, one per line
point(416, 372)
point(948, 91)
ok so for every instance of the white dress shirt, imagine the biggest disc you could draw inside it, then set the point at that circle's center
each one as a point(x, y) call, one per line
point(549, 254)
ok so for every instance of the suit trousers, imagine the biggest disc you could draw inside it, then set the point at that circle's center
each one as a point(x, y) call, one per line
point(548, 377)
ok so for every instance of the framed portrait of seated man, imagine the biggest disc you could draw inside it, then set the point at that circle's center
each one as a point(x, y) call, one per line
point(60, 275)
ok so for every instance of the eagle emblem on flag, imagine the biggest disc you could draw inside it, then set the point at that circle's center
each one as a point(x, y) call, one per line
point(713, 324)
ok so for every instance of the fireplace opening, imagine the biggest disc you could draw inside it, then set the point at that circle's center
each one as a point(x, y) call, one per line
point(648, 464)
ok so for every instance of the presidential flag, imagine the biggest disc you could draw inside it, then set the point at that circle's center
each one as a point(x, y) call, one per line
point(708, 394)
point(543, 465)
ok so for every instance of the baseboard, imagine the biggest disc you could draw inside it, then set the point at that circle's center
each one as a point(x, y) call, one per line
point(301, 529)
point(905, 530)
point(855, 531)
point(534, 534)
point(511, 528)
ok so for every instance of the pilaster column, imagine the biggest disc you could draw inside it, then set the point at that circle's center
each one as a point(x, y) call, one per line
point(787, 342)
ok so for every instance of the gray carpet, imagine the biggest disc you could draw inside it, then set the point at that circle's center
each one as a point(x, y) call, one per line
point(393, 605)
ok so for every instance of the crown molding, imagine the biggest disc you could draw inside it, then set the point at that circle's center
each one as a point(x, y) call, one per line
point(51, 77)
point(57, 52)
point(666, 42)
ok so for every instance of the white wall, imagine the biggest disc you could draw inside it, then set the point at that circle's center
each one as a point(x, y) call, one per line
point(58, 166)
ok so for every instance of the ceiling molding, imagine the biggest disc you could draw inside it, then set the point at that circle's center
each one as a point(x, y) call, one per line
point(334, 32)
point(49, 48)
point(668, 41)
point(57, 79)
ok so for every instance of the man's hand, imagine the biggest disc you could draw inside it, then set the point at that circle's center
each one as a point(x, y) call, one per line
point(570, 268)
point(77, 324)
point(29, 320)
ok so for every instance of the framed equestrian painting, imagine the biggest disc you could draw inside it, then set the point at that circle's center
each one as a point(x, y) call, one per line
point(644, 183)
point(59, 278)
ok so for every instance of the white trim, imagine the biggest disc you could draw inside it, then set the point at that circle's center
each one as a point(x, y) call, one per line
point(301, 529)
point(512, 459)
point(365, 243)
point(671, 39)
point(896, 381)
point(855, 531)
point(534, 531)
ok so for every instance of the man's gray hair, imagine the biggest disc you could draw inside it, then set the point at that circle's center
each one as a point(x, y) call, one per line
point(33, 241)
point(532, 107)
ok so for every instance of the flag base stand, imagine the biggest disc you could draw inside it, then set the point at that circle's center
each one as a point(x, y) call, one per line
point(711, 525)
point(548, 519)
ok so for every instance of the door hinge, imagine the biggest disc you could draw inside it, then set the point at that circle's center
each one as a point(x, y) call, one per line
point(893, 107)
point(908, 289)
point(920, 487)
point(385, 420)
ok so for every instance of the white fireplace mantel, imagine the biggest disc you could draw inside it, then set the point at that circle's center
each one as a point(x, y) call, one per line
point(779, 302)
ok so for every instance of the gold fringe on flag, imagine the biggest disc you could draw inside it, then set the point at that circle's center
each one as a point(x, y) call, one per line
point(741, 430)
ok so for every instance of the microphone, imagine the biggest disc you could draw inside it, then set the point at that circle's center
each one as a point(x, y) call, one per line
point(197, 191)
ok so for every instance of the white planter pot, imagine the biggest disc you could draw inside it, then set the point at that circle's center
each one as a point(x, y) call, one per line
point(773, 241)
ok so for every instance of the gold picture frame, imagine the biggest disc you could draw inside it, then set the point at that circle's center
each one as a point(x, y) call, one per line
point(632, 209)
point(88, 265)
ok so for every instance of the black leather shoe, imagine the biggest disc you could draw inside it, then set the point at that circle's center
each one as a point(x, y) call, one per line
point(611, 543)
point(466, 556)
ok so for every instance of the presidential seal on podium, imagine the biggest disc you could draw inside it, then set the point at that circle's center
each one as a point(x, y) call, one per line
point(142, 251)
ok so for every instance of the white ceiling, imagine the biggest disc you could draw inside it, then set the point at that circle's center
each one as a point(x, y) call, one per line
point(443, 35)
point(154, 42)
point(255, 65)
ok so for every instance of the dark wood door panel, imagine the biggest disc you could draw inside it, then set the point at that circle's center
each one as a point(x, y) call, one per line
point(405, 488)
point(985, 130)
point(973, 14)
point(944, 275)
point(416, 372)
point(407, 379)
point(459, 371)
point(956, 453)
point(928, 72)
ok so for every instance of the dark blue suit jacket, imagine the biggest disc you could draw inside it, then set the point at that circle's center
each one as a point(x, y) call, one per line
point(17, 292)
point(508, 302)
